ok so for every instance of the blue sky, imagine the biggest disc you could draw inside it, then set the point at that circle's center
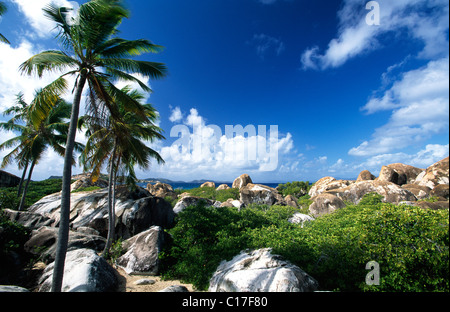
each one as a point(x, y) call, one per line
point(346, 96)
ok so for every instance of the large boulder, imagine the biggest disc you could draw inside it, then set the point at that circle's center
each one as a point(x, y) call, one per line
point(327, 184)
point(84, 271)
point(85, 182)
point(242, 181)
point(135, 211)
point(43, 242)
point(260, 271)
point(208, 184)
point(13, 289)
point(299, 218)
point(324, 204)
point(161, 190)
point(260, 194)
point(441, 191)
point(30, 220)
point(187, 201)
point(291, 201)
point(230, 203)
point(222, 187)
point(421, 192)
point(435, 174)
point(406, 172)
point(391, 192)
point(142, 252)
point(365, 176)
point(8, 179)
point(388, 174)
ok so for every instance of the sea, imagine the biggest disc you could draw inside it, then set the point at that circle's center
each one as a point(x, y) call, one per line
point(190, 186)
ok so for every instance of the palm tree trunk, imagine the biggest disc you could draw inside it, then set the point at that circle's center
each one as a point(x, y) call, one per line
point(25, 190)
point(64, 223)
point(22, 179)
point(111, 202)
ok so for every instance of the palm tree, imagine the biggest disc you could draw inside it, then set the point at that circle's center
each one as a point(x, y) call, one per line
point(123, 142)
point(91, 52)
point(3, 9)
point(33, 141)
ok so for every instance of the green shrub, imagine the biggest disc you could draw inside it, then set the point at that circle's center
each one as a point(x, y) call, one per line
point(297, 189)
point(410, 244)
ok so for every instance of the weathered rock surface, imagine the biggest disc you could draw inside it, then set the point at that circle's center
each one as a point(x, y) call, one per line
point(388, 174)
point(28, 219)
point(230, 203)
point(242, 181)
point(324, 204)
point(142, 252)
point(135, 211)
point(84, 271)
point(8, 179)
point(13, 289)
point(222, 187)
point(161, 190)
point(85, 182)
point(291, 201)
point(208, 184)
point(435, 174)
point(260, 194)
point(441, 191)
point(421, 192)
point(299, 218)
point(187, 201)
point(175, 288)
point(260, 271)
point(43, 243)
point(327, 184)
point(365, 176)
point(439, 205)
point(406, 172)
point(392, 193)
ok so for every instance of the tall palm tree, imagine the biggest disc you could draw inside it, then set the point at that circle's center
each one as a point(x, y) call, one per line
point(123, 142)
point(3, 9)
point(91, 52)
point(33, 141)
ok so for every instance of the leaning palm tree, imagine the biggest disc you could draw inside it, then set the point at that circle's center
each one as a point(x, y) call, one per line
point(123, 142)
point(32, 142)
point(95, 56)
point(2, 11)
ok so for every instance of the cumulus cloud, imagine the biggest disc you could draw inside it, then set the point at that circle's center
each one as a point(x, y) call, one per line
point(42, 26)
point(201, 149)
point(176, 114)
point(426, 21)
point(419, 104)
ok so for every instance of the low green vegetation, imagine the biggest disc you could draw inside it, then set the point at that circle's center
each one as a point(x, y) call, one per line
point(409, 243)
point(36, 191)
point(297, 189)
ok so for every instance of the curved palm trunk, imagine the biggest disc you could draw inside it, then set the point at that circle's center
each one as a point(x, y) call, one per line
point(22, 179)
point(64, 223)
point(111, 204)
point(25, 190)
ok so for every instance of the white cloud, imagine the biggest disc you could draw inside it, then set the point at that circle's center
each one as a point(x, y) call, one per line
point(32, 9)
point(176, 115)
point(406, 16)
point(419, 104)
point(11, 80)
point(208, 151)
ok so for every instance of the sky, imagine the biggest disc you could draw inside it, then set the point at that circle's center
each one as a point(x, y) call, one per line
point(283, 90)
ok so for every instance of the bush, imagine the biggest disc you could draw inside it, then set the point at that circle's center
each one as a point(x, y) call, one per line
point(297, 189)
point(410, 244)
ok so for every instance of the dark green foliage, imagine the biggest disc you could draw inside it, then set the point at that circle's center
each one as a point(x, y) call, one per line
point(410, 244)
point(297, 189)
point(36, 191)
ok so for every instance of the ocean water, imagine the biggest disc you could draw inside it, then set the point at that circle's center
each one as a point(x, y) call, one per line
point(190, 186)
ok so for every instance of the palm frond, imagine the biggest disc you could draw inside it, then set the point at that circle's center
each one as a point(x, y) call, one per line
point(48, 61)
point(149, 69)
point(119, 48)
